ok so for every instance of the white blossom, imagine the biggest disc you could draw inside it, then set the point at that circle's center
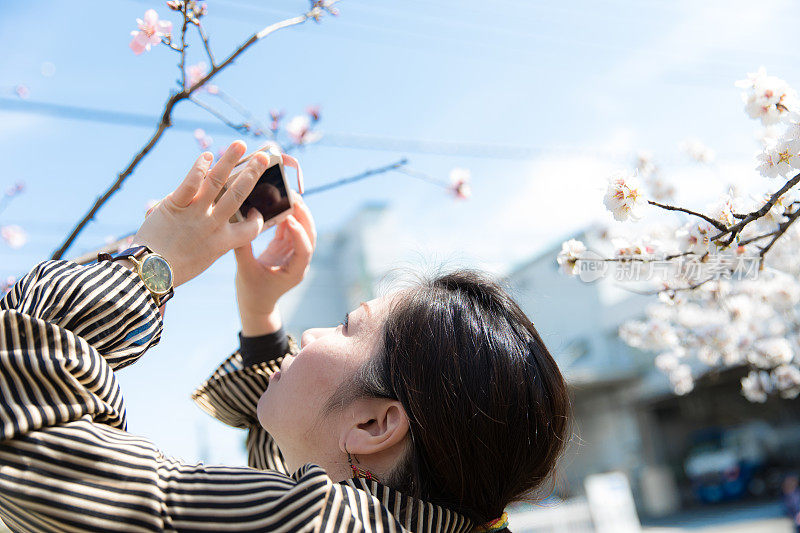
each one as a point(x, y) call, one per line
point(756, 385)
point(568, 257)
point(768, 98)
point(787, 380)
point(769, 353)
point(697, 150)
point(624, 197)
point(780, 159)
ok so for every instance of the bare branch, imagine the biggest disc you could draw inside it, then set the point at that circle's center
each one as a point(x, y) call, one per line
point(182, 64)
point(166, 122)
point(708, 219)
point(755, 215)
point(397, 165)
point(241, 128)
point(778, 233)
point(204, 38)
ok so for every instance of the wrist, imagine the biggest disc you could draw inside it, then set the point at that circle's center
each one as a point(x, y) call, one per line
point(254, 325)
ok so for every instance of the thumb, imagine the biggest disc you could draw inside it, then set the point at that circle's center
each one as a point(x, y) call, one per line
point(249, 228)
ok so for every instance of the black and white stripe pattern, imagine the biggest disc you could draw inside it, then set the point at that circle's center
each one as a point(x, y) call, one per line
point(67, 463)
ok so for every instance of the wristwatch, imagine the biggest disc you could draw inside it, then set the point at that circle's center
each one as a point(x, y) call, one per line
point(152, 268)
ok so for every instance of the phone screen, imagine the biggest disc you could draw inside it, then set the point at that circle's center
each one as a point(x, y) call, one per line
point(269, 195)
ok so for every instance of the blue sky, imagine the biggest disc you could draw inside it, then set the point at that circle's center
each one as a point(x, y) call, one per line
point(581, 86)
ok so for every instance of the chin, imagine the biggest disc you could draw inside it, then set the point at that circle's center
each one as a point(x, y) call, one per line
point(262, 409)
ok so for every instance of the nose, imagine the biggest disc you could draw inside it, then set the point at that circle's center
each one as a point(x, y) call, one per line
point(312, 334)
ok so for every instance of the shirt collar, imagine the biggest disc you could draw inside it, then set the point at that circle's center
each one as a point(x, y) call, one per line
point(413, 514)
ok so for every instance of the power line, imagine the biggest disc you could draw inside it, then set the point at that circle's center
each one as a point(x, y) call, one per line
point(338, 140)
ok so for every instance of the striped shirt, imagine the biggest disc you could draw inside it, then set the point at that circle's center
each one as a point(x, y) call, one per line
point(68, 464)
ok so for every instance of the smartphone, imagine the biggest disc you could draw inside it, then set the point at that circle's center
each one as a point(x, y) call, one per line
point(270, 195)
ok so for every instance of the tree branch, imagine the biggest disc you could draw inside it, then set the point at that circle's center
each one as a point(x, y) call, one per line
point(241, 128)
point(708, 219)
point(778, 233)
point(204, 38)
point(166, 122)
point(358, 177)
point(755, 215)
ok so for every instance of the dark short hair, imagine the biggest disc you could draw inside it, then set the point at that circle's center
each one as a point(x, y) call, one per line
point(488, 407)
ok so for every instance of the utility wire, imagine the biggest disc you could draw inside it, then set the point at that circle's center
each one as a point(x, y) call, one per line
point(338, 140)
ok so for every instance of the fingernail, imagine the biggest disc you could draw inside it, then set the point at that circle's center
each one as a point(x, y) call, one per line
point(208, 156)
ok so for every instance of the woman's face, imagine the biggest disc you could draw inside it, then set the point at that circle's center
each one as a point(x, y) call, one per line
point(292, 407)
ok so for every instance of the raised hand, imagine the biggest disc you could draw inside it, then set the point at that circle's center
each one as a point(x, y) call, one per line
point(188, 230)
point(262, 280)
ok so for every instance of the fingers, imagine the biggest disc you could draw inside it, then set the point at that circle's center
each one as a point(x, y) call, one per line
point(303, 249)
point(242, 185)
point(218, 175)
point(303, 215)
point(183, 195)
point(244, 255)
point(246, 231)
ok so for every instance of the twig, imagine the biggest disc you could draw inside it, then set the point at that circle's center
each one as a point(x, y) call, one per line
point(241, 128)
point(778, 233)
point(204, 38)
point(708, 219)
point(397, 165)
point(182, 64)
point(166, 122)
point(242, 110)
point(424, 177)
point(755, 215)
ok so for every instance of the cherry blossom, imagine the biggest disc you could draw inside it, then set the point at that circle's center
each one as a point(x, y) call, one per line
point(203, 139)
point(567, 259)
point(14, 236)
point(781, 159)
point(698, 151)
point(787, 380)
point(299, 130)
point(151, 31)
point(460, 183)
point(768, 98)
point(624, 197)
point(7, 284)
point(275, 116)
point(756, 386)
point(22, 91)
point(313, 112)
point(196, 72)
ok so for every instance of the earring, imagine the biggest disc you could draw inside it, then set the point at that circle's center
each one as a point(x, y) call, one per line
point(359, 472)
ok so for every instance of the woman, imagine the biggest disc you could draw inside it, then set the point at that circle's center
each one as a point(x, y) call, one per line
point(428, 410)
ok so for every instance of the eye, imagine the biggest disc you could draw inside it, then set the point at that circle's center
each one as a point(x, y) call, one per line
point(345, 321)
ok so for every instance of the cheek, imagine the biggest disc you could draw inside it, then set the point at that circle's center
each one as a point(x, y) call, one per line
point(292, 403)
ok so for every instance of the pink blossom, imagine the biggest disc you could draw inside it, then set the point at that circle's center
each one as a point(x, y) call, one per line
point(22, 91)
point(196, 72)
point(7, 284)
point(14, 236)
point(459, 183)
point(150, 32)
point(299, 130)
point(313, 112)
point(15, 189)
point(276, 117)
point(203, 139)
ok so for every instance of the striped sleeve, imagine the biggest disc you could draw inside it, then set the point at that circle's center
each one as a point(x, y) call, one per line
point(67, 464)
point(104, 303)
point(231, 395)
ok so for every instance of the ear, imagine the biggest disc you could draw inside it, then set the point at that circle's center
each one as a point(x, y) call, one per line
point(373, 426)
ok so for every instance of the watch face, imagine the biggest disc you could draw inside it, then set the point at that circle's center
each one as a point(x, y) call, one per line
point(156, 274)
